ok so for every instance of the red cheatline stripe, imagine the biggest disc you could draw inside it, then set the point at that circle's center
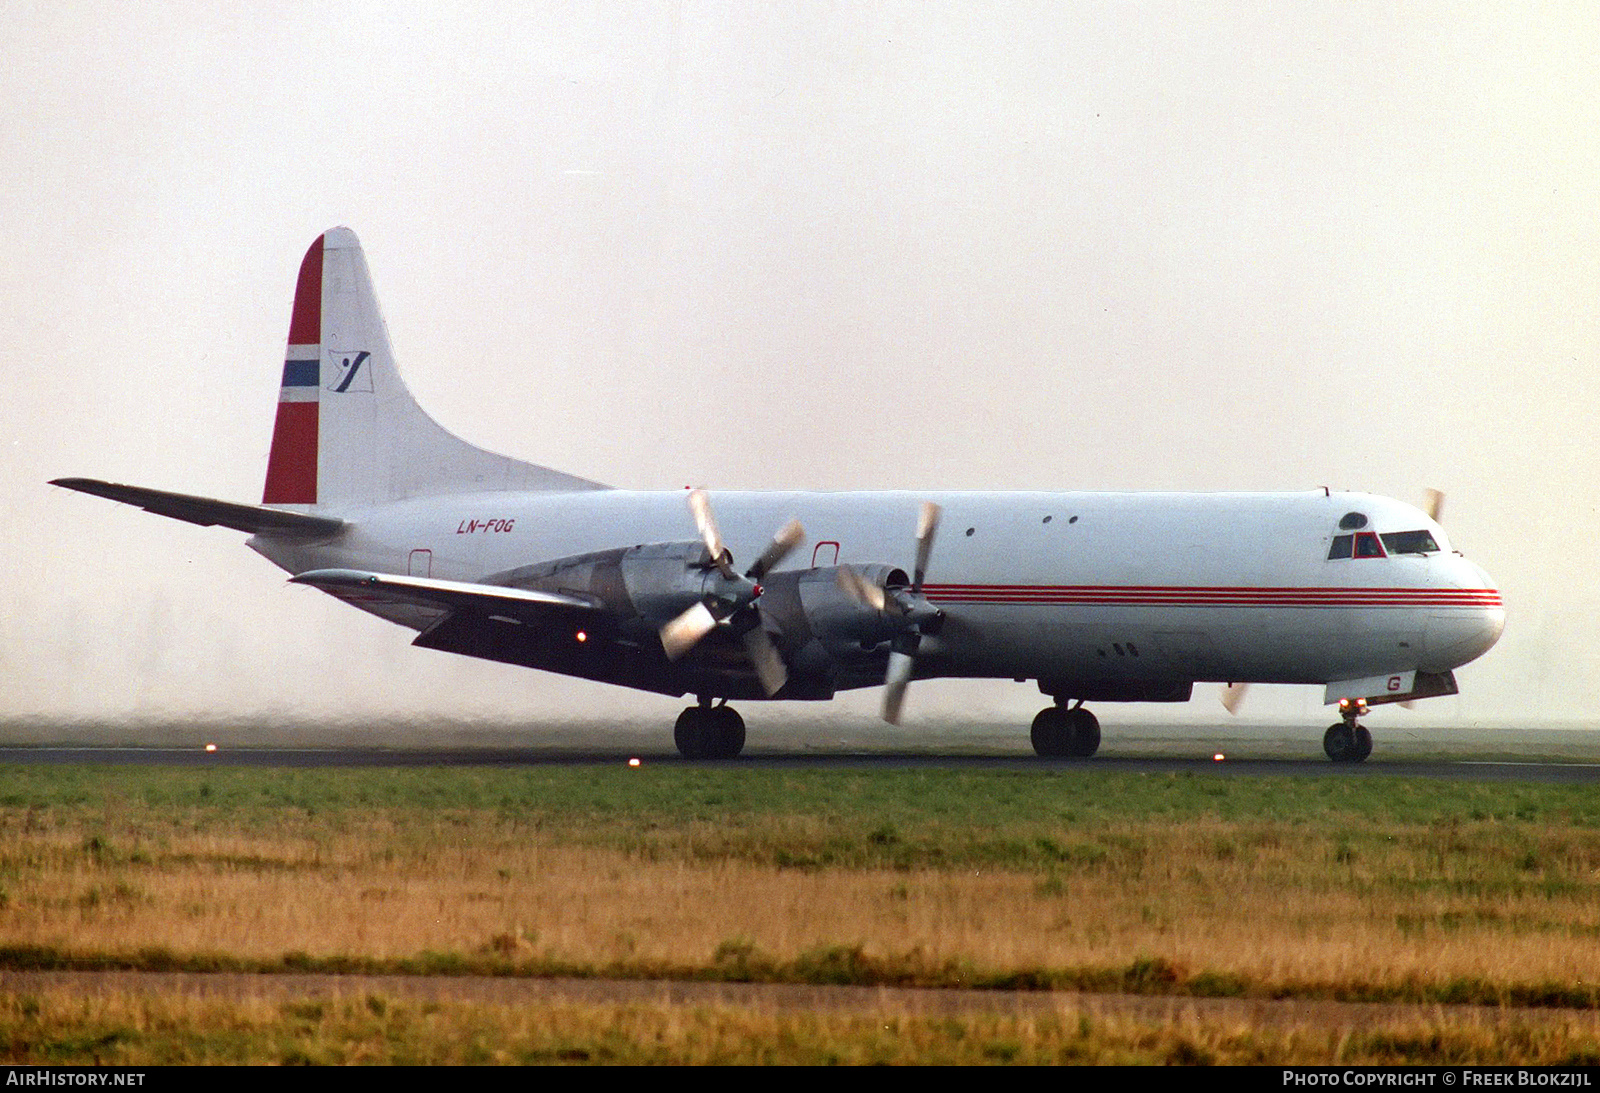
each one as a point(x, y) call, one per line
point(1202, 596)
point(1216, 597)
point(1181, 602)
point(1248, 598)
point(305, 324)
point(1189, 588)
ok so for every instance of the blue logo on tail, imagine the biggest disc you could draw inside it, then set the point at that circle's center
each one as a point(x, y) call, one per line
point(347, 367)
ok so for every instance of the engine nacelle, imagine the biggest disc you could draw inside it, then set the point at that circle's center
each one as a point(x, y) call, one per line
point(664, 579)
point(654, 582)
point(809, 605)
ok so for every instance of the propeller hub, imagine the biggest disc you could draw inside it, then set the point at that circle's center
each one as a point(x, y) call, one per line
point(918, 616)
point(730, 599)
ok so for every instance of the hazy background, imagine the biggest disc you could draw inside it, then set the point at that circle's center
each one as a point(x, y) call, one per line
point(1038, 246)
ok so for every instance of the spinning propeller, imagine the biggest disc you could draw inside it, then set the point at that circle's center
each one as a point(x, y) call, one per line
point(920, 616)
point(1434, 506)
point(731, 599)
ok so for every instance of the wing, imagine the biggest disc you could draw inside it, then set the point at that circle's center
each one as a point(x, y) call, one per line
point(548, 630)
point(520, 605)
point(207, 511)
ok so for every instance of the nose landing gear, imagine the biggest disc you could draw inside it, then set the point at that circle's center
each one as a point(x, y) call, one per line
point(1347, 740)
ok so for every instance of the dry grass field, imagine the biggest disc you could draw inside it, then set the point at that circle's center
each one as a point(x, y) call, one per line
point(134, 1030)
point(1358, 889)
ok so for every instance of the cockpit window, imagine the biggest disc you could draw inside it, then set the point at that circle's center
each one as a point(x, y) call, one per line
point(1410, 542)
point(1363, 544)
point(1350, 521)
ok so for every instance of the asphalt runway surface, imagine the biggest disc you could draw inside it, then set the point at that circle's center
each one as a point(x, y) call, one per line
point(1563, 755)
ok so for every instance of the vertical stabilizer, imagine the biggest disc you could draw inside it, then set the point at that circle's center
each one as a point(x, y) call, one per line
point(347, 429)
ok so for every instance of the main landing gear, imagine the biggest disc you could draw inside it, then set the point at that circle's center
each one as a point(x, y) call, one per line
point(1347, 740)
point(1062, 733)
point(709, 732)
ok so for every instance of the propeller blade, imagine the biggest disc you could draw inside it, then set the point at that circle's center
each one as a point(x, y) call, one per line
point(895, 681)
point(700, 507)
point(684, 632)
point(1434, 506)
point(927, 525)
point(903, 651)
point(759, 647)
point(862, 590)
point(789, 536)
point(1233, 696)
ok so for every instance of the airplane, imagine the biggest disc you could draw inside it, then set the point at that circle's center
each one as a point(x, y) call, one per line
point(1097, 597)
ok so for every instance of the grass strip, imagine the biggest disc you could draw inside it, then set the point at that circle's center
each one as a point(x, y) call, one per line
point(63, 1028)
point(834, 966)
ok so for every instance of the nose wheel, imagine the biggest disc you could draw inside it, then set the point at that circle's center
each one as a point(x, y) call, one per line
point(1347, 740)
point(709, 732)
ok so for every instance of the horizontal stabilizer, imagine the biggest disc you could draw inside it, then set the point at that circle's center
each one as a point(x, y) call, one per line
point(521, 605)
point(206, 511)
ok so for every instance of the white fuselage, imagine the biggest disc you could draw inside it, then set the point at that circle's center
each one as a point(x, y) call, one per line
point(1049, 586)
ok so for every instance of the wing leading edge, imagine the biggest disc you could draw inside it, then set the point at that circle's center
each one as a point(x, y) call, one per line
point(521, 605)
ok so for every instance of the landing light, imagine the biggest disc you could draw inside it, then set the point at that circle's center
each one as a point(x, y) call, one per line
point(211, 747)
point(633, 762)
point(582, 637)
point(1218, 757)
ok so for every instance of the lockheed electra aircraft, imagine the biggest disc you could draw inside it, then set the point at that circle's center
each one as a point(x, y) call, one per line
point(1099, 597)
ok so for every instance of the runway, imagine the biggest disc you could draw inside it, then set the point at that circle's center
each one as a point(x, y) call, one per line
point(1561, 755)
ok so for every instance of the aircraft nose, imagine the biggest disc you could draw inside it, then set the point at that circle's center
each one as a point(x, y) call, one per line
point(1469, 630)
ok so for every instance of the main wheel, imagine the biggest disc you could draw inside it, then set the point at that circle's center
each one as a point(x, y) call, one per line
point(692, 732)
point(1060, 733)
point(1339, 742)
point(727, 733)
point(709, 732)
point(1052, 733)
point(1085, 733)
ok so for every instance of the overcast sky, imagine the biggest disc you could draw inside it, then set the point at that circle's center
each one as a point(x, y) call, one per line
point(970, 246)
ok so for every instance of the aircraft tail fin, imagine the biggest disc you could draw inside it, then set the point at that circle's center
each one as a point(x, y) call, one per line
point(347, 430)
